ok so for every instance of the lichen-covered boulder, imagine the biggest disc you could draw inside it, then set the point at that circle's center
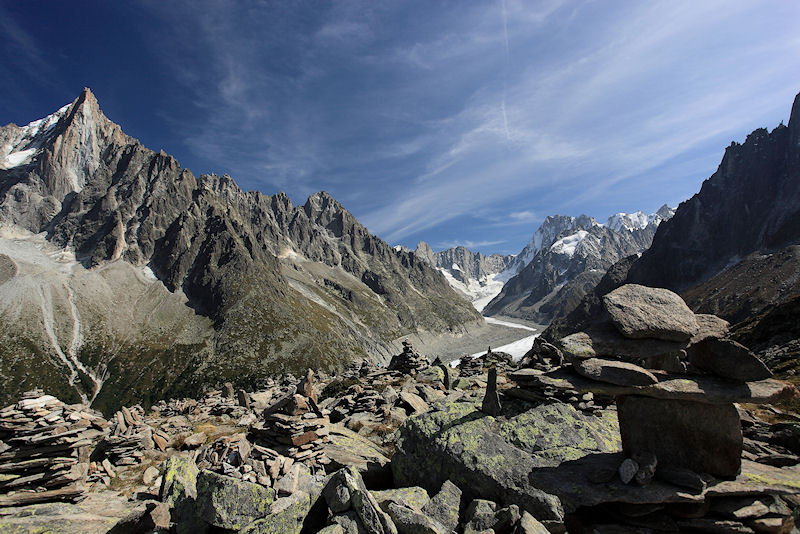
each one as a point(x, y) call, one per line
point(493, 458)
point(412, 497)
point(179, 480)
point(286, 516)
point(227, 502)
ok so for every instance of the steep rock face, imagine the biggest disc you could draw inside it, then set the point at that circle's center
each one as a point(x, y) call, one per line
point(462, 263)
point(284, 286)
point(570, 255)
point(751, 203)
point(470, 273)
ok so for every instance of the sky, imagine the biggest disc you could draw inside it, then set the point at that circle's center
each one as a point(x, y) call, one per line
point(453, 122)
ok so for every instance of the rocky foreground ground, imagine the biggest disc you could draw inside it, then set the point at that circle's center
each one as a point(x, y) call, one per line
point(581, 436)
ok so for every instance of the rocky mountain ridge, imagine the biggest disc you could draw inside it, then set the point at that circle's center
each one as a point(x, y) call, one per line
point(270, 285)
point(751, 203)
point(568, 256)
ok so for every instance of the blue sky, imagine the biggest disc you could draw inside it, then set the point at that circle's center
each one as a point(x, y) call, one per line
point(451, 122)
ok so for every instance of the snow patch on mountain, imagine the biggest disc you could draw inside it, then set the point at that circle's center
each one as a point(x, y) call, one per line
point(480, 292)
point(569, 244)
point(24, 143)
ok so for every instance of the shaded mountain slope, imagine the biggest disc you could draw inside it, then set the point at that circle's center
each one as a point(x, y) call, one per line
point(274, 287)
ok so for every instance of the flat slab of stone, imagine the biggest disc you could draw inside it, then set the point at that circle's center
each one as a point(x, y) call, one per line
point(708, 389)
point(641, 312)
point(614, 372)
point(706, 438)
point(758, 479)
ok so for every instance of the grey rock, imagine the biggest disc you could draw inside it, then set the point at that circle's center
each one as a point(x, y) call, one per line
point(409, 521)
point(286, 517)
point(444, 507)
point(647, 312)
point(230, 503)
point(614, 372)
point(706, 438)
point(412, 497)
point(529, 525)
point(150, 475)
point(681, 476)
point(728, 359)
point(647, 463)
point(491, 400)
point(627, 470)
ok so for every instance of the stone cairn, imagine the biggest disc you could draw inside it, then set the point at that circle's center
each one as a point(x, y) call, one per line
point(127, 440)
point(675, 377)
point(44, 449)
point(409, 362)
point(294, 427)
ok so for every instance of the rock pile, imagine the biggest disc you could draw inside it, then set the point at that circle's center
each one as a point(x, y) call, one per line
point(532, 389)
point(409, 362)
point(44, 449)
point(295, 426)
point(128, 438)
point(675, 377)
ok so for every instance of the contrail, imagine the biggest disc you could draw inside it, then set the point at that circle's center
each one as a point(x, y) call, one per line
point(505, 69)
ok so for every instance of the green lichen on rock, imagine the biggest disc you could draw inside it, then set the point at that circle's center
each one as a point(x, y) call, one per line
point(558, 432)
point(179, 481)
point(286, 516)
point(412, 497)
point(493, 457)
point(230, 503)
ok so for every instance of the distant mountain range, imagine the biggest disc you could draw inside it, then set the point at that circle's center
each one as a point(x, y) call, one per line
point(124, 278)
point(565, 258)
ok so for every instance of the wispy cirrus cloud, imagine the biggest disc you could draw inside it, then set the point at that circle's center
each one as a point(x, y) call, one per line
point(415, 115)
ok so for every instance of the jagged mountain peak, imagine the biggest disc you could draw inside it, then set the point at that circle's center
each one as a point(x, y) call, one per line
point(268, 287)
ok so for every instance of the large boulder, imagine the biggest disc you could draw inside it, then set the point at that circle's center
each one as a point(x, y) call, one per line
point(648, 312)
point(729, 359)
point(493, 458)
point(227, 502)
point(706, 438)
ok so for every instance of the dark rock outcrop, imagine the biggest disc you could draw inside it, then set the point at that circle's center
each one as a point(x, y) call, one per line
point(751, 203)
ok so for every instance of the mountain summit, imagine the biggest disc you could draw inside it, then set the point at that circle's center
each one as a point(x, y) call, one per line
point(126, 278)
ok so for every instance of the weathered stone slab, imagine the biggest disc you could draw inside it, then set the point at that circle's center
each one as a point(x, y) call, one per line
point(706, 438)
point(647, 312)
point(707, 389)
point(728, 359)
point(614, 372)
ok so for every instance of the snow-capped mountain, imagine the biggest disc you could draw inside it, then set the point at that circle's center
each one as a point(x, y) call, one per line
point(565, 258)
point(471, 273)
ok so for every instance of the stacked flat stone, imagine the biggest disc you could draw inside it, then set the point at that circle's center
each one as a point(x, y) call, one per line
point(44, 449)
point(531, 389)
point(295, 426)
point(675, 377)
point(409, 362)
point(129, 437)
